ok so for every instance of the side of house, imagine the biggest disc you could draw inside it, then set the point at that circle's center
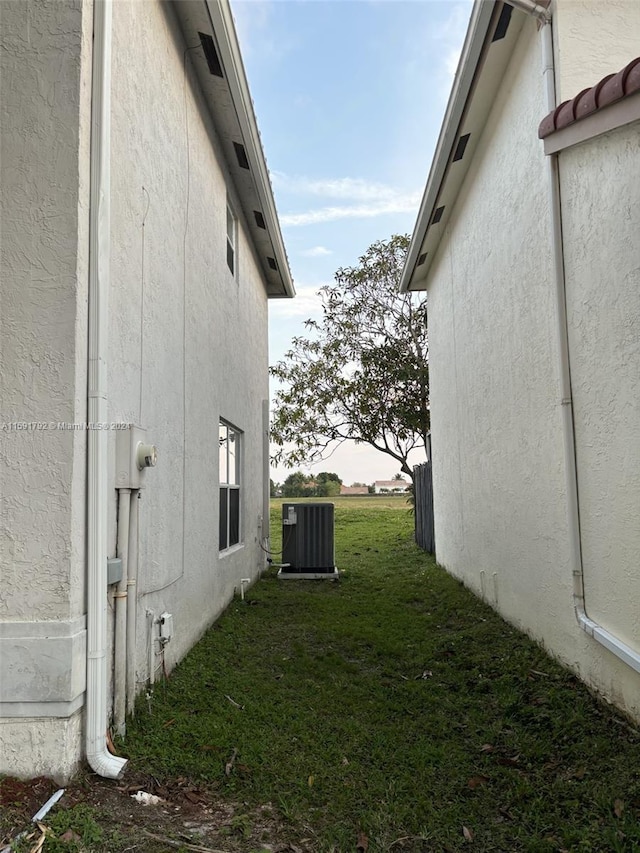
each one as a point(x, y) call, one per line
point(156, 188)
point(502, 421)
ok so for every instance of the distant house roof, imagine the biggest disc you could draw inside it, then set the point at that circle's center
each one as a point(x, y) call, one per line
point(609, 90)
point(391, 484)
point(354, 490)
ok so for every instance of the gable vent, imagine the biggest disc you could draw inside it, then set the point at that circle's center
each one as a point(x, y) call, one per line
point(503, 23)
point(422, 259)
point(241, 154)
point(272, 264)
point(259, 219)
point(211, 55)
point(437, 216)
point(458, 154)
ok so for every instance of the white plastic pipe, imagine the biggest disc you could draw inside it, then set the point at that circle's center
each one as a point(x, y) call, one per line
point(600, 634)
point(531, 8)
point(121, 620)
point(98, 756)
point(132, 600)
point(151, 621)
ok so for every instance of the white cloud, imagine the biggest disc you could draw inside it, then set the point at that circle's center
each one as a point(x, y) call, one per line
point(316, 252)
point(450, 36)
point(307, 303)
point(401, 203)
point(355, 189)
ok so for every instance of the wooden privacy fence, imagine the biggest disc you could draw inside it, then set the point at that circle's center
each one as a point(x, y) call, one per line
point(423, 487)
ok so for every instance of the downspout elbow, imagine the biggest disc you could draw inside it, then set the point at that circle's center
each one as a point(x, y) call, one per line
point(105, 764)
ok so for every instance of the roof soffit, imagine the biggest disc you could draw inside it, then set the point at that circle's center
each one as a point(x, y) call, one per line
point(231, 109)
point(485, 55)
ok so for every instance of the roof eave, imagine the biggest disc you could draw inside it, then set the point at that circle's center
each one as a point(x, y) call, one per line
point(238, 124)
point(220, 12)
point(486, 51)
point(462, 85)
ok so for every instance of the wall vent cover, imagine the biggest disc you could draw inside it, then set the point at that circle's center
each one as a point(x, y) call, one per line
point(211, 55)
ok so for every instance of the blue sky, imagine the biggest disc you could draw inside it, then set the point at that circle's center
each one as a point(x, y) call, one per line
point(349, 96)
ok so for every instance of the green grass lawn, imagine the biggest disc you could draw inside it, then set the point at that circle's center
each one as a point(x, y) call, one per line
point(394, 705)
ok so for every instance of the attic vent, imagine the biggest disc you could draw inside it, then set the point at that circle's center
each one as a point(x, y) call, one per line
point(241, 154)
point(503, 23)
point(211, 55)
point(422, 259)
point(259, 219)
point(458, 154)
point(272, 264)
point(437, 216)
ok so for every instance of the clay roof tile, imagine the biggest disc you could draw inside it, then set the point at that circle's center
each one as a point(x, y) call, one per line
point(607, 91)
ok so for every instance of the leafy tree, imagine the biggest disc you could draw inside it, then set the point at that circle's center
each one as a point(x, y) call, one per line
point(327, 484)
point(362, 373)
point(298, 485)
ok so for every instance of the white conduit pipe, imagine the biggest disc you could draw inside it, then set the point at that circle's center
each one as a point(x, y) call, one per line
point(100, 759)
point(600, 634)
point(121, 618)
point(132, 601)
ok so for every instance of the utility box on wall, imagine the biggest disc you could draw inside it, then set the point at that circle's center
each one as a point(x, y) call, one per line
point(308, 541)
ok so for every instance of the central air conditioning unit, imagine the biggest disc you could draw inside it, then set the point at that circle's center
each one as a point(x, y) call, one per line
point(307, 541)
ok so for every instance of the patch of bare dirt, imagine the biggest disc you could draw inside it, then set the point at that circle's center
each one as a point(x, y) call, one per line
point(188, 818)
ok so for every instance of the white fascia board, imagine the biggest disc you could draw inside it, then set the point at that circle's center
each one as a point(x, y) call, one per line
point(481, 17)
point(224, 28)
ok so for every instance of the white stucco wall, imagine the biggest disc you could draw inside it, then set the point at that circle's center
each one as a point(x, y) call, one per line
point(499, 489)
point(497, 452)
point(188, 341)
point(44, 194)
point(187, 346)
point(601, 221)
point(592, 39)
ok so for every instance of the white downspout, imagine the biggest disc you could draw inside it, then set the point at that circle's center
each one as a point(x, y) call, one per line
point(100, 759)
point(121, 612)
point(132, 601)
point(604, 637)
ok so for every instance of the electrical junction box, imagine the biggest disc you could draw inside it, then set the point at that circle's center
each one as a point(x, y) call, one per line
point(114, 570)
point(166, 627)
point(133, 456)
point(308, 541)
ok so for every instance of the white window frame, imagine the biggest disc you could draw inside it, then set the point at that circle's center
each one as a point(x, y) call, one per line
point(230, 455)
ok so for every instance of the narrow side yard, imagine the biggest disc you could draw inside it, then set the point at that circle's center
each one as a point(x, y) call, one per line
point(391, 711)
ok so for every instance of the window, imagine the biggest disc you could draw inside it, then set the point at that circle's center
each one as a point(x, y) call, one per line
point(232, 232)
point(230, 441)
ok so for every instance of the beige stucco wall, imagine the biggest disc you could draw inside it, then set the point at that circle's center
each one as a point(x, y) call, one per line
point(601, 221)
point(500, 509)
point(187, 346)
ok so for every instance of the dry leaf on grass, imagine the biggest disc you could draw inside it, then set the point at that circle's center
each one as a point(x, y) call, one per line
point(362, 845)
point(618, 808)
point(477, 781)
point(468, 835)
